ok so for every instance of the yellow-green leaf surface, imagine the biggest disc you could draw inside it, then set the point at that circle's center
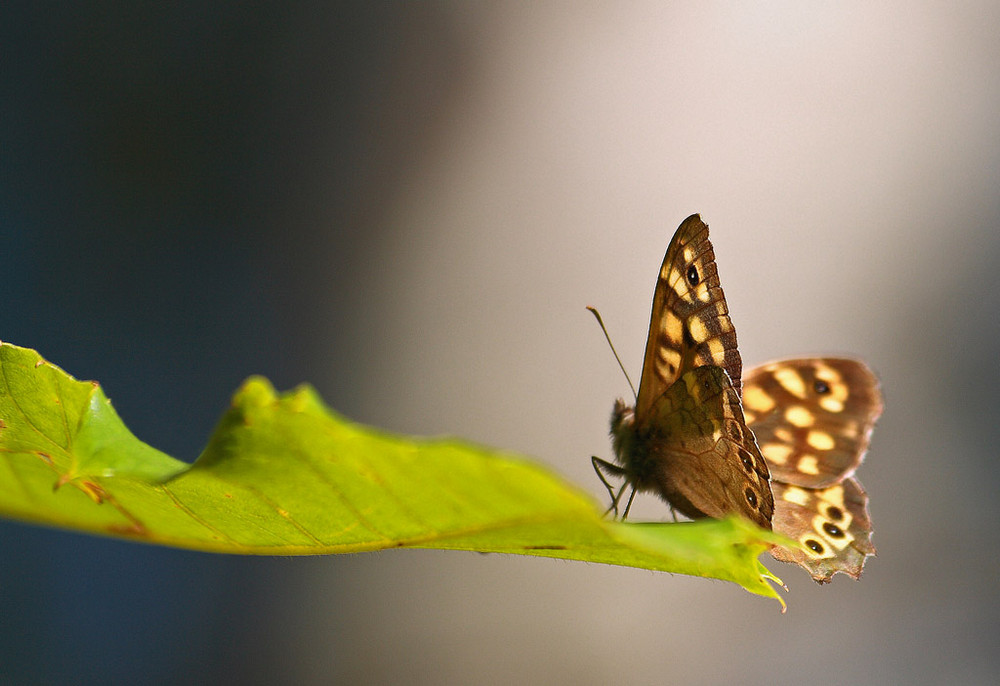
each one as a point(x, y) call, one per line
point(285, 475)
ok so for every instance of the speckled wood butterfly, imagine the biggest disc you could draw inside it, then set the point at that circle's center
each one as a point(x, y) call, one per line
point(813, 419)
point(688, 440)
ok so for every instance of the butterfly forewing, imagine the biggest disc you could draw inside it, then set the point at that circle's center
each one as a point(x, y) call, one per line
point(812, 417)
point(689, 325)
point(686, 438)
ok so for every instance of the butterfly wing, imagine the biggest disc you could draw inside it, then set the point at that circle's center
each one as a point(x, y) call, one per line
point(832, 524)
point(702, 459)
point(813, 417)
point(689, 325)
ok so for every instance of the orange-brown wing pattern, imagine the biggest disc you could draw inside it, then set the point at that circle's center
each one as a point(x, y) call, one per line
point(689, 325)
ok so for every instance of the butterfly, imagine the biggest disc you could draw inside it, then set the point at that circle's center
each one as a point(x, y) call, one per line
point(691, 440)
point(686, 438)
point(813, 420)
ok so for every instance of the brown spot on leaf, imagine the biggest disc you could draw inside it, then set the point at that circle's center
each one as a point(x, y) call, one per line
point(95, 491)
point(134, 528)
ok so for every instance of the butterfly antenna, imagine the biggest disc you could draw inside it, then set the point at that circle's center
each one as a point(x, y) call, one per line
point(600, 321)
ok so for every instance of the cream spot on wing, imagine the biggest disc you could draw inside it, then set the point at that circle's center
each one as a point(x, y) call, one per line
point(835, 496)
point(722, 316)
point(776, 453)
point(688, 253)
point(748, 416)
point(698, 330)
point(757, 399)
point(794, 494)
point(783, 434)
point(838, 391)
point(686, 294)
point(669, 362)
point(717, 350)
point(808, 464)
point(702, 291)
point(791, 381)
point(831, 404)
point(673, 328)
point(693, 389)
point(820, 440)
point(796, 415)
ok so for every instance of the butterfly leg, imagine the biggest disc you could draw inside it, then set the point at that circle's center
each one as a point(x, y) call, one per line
point(628, 505)
point(601, 467)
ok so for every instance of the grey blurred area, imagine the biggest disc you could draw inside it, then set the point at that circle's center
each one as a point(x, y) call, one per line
point(409, 206)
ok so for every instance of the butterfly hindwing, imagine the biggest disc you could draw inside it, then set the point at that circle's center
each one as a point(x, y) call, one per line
point(832, 524)
point(711, 466)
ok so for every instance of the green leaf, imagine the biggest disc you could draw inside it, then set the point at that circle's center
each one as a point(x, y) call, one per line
point(285, 475)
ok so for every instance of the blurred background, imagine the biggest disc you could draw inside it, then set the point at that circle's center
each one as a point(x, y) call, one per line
point(409, 206)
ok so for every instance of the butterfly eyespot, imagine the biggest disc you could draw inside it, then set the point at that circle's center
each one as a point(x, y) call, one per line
point(821, 387)
point(747, 462)
point(693, 277)
point(814, 546)
point(833, 530)
point(834, 512)
point(751, 498)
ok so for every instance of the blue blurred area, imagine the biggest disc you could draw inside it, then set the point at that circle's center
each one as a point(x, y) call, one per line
point(155, 161)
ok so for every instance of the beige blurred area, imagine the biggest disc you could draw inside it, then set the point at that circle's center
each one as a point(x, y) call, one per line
point(528, 161)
